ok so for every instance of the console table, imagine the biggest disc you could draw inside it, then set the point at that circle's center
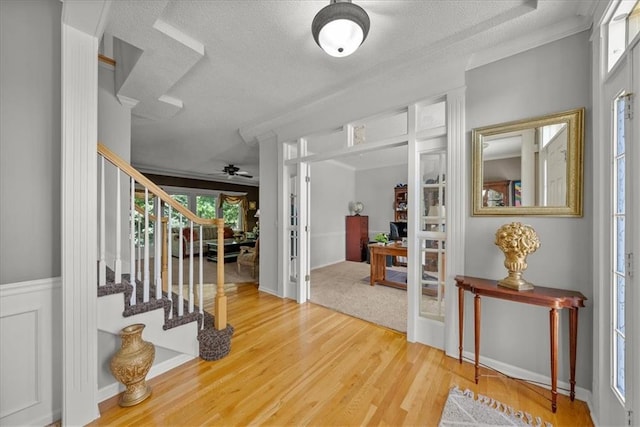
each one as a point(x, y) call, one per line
point(555, 299)
point(231, 249)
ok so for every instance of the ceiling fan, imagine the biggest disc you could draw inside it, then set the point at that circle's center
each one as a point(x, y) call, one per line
point(231, 170)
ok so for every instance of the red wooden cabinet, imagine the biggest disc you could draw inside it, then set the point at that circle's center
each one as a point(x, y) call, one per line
point(357, 232)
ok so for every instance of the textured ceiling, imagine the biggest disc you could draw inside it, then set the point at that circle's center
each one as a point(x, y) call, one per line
point(200, 71)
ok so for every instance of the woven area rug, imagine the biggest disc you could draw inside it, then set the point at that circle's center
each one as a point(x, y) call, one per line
point(463, 409)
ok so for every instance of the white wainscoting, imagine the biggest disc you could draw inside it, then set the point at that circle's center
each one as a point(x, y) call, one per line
point(31, 352)
point(327, 248)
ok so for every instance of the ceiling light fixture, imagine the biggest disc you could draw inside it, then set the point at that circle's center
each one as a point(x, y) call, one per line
point(340, 28)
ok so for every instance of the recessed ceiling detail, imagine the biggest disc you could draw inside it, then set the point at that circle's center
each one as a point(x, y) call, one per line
point(147, 73)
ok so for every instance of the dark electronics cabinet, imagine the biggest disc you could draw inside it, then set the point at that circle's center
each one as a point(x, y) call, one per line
point(357, 227)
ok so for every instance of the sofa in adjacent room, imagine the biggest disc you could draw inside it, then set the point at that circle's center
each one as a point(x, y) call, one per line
point(209, 234)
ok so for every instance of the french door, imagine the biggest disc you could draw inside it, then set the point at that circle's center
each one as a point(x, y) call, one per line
point(621, 220)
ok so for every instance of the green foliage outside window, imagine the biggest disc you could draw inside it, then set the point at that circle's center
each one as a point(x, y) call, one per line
point(206, 207)
point(231, 215)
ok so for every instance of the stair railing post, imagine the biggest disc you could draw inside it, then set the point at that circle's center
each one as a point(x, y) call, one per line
point(221, 299)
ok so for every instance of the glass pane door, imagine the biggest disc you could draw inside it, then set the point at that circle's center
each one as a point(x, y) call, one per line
point(433, 234)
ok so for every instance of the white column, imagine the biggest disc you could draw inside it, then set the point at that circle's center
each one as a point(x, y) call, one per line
point(82, 25)
point(79, 228)
point(457, 179)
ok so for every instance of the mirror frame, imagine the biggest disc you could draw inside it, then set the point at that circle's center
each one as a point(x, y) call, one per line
point(575, 158)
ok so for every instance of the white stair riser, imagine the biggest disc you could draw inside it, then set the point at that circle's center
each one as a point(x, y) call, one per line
point(183, 339)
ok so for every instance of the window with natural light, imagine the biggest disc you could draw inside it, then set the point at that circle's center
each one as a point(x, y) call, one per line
point(623, 26)
point(618, 276)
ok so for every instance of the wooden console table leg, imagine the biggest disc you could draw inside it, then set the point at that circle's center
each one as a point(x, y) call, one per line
point(553, 323)
point(476, 327)
point(460, 321)
point(573, 342)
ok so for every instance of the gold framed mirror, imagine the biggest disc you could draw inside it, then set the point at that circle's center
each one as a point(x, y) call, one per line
point(529, 167)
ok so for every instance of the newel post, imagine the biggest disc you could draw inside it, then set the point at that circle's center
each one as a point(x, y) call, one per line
point(221, 298)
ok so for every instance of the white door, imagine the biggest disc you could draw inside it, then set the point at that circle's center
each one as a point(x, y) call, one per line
point(619, 320)
point(554, 156)
point(297, 233)
point(428, 243)
point(292, 232)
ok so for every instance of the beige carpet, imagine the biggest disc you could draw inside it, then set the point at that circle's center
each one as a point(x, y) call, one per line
point(341, 288)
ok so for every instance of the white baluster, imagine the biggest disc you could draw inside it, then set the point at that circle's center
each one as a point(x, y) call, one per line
point(145, 281)
point(117, 267)
point(157, 238)
point(139, 262)
point(201, 280)
point(170, 262)
point(191, 267)
point(132, 241)
point(180, 271)
point(102, 265)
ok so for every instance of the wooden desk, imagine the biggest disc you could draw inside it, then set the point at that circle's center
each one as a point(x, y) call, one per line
point(377, 259)
point(555, 299)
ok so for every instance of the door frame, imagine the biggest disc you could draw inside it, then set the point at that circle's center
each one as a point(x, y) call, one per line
point(606, 84)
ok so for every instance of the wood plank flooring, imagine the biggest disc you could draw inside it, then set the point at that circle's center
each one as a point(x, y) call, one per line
point(294, 364)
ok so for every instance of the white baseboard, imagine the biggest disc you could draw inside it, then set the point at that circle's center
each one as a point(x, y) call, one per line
point(329, 263)
point(268, 291)
point(113, 389)
point(516, 372)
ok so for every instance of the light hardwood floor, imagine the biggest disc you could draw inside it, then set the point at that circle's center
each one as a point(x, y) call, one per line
point(294, 364)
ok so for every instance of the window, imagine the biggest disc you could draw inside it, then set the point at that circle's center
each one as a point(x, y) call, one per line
point(618, 276)
point(232, 215)
point(622, 28)
point(206, 206)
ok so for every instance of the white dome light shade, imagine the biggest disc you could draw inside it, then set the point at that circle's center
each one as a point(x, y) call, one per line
point(340, 37)
point(340, 28)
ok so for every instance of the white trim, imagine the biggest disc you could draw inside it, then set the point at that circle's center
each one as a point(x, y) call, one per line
point(516, 372)
point(28, 286)
point(544, 36)
point(126, 101)
point(113, 389)
point(457, 209)
point(38, 302)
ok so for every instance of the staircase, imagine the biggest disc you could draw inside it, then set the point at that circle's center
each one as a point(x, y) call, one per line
point(173, 317)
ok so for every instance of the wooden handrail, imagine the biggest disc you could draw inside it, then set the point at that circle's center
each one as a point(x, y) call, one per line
point(152, 217)
point(106, 60)
point(159, 192)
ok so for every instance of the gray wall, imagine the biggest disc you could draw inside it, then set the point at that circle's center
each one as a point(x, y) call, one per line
point(375, 189)
point(550, 78)
point(29, 140)
point(332, 188)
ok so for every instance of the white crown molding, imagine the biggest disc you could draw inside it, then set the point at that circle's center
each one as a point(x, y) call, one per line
point(545, 35)
point(125, 101)
point(171, 101)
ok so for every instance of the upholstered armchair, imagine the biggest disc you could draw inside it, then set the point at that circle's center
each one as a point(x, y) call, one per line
point(249, 256)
